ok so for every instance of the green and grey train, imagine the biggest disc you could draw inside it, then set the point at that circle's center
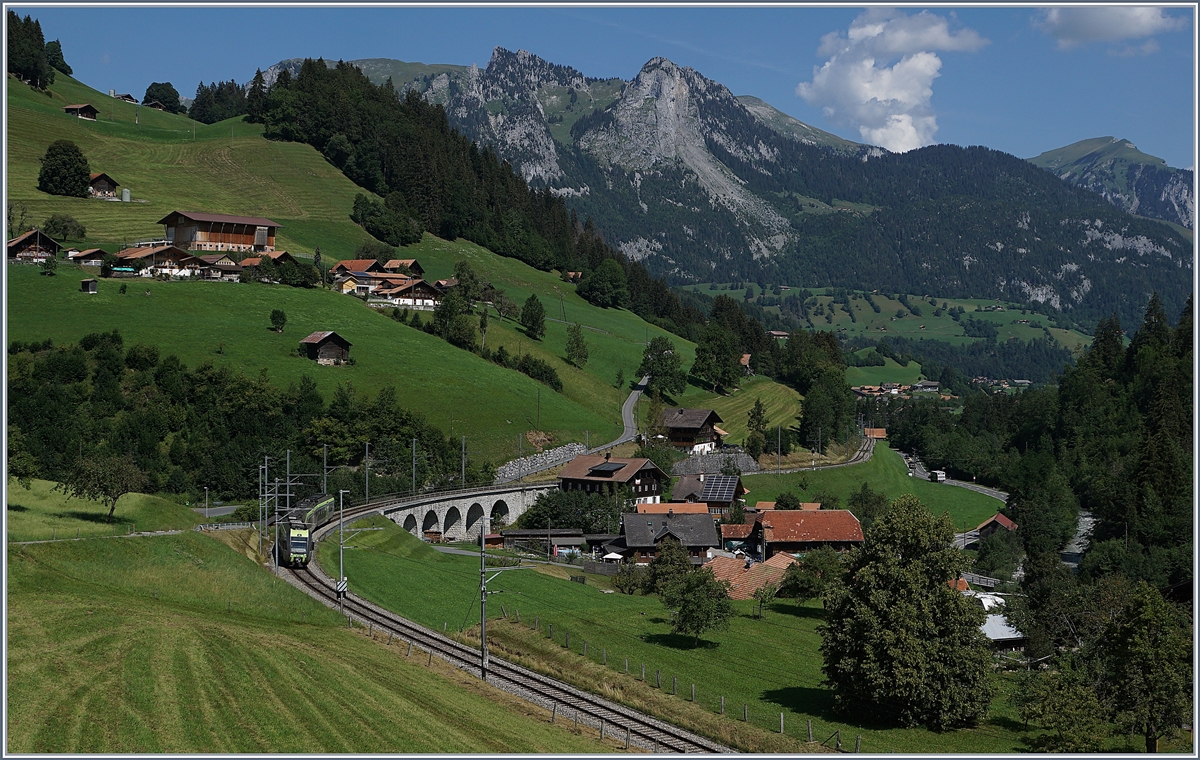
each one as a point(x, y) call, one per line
point(295, 547)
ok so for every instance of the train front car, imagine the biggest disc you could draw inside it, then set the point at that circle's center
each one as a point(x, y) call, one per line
point(295, 544)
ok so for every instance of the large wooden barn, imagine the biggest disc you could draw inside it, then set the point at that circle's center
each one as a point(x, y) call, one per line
point(34, 246)
point(327, 347)
point(219, 232)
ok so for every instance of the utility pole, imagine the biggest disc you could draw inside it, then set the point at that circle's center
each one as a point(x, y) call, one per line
point(414, 465)
point(206, 502)
point(367, 478)
point(275, 553)
point(463, 478)
point(341, 545)
point(483, 594)
point(324, 468)
point(539, 412)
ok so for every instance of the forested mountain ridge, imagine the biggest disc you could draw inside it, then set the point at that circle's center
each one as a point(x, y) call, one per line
point(682, 176)
point(1125, 177)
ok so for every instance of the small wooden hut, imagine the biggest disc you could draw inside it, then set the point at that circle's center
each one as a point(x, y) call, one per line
point(326, 347)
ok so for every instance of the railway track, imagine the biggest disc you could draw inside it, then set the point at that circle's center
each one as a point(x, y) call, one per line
point(565, 701)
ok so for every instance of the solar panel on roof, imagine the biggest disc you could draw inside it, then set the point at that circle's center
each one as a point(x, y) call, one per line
point(607, 468)
point(719, 488)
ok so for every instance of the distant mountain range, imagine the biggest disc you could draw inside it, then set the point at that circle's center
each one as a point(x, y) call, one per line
point(1126, 177)
point(703, 185)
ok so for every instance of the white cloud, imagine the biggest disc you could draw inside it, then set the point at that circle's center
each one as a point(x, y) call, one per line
point(1079, 25)
point(879, 76)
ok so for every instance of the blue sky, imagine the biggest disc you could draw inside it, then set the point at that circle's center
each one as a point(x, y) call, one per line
point(1018, 79)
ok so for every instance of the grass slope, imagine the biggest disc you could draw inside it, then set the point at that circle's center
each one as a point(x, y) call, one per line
point(439, 589)
point(97, 664)
point(886, 473)
point(490, 404)
point(41, 513)
point(225, 167)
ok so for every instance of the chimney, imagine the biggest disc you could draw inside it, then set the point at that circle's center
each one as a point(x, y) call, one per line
point(607, 454)
point(701, 477)
point(670, 512)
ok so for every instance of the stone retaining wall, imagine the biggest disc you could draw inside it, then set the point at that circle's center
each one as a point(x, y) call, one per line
point(535, 462)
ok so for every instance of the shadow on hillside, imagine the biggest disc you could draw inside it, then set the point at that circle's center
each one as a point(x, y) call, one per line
point(796, 611)
point(806, 700)
point(17, 508)
point(95, 517)
point(679, 641)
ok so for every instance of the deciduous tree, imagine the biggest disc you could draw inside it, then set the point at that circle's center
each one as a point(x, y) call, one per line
point(698, 602)
point(102, 477)
point(898, 640)
point(662, 362)
point(278, 319)
point(64, 170)
point(577, 349)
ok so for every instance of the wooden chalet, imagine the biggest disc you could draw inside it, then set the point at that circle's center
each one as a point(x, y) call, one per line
point(326, 347)
point(994, 523)
point(399, 265)
point(100, 185)
point(446, 284)
point(417, 295)
point(155, 105)
point(572, 276)
point(356, 266)
point(693, 430)
point(795, 531)
point(33, 247)
point(126, 97)
point(605, 474)
point(161, 261)
point(278, 257)
point(718, 492)
point(92, 257)
point(778, 334)
point(642, 535)
point(194, 231)
point(82, 111)
point(88, 286)
point(218, 266)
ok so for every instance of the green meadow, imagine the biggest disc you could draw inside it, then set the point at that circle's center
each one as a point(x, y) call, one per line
point(886, 324)
point(39, 513)
point(772, 665)
point(885, 472)
point(176, 644)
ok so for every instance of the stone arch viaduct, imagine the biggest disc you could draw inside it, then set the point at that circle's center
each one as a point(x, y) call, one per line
point(458, 515)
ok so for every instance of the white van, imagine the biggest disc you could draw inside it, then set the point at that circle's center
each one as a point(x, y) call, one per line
point(938, 476)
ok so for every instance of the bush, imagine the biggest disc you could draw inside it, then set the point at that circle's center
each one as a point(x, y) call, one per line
point(64, 227)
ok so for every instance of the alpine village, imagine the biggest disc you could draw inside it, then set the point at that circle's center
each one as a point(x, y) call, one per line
point(342, 420)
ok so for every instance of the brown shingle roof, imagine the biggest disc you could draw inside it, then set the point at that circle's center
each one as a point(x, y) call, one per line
point(320, 337)
point(257, 221)
point(356, 265)
point(797, 526)
point(579, 467)
point(689, 419)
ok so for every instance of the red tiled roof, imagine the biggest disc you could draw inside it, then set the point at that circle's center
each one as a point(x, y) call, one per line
point(744, 581)
point(958, 584)
point(257, 221)
point(736, 531)
point(802, 526)
point(1000, 520)
point(667, 507)
point(252, 261)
